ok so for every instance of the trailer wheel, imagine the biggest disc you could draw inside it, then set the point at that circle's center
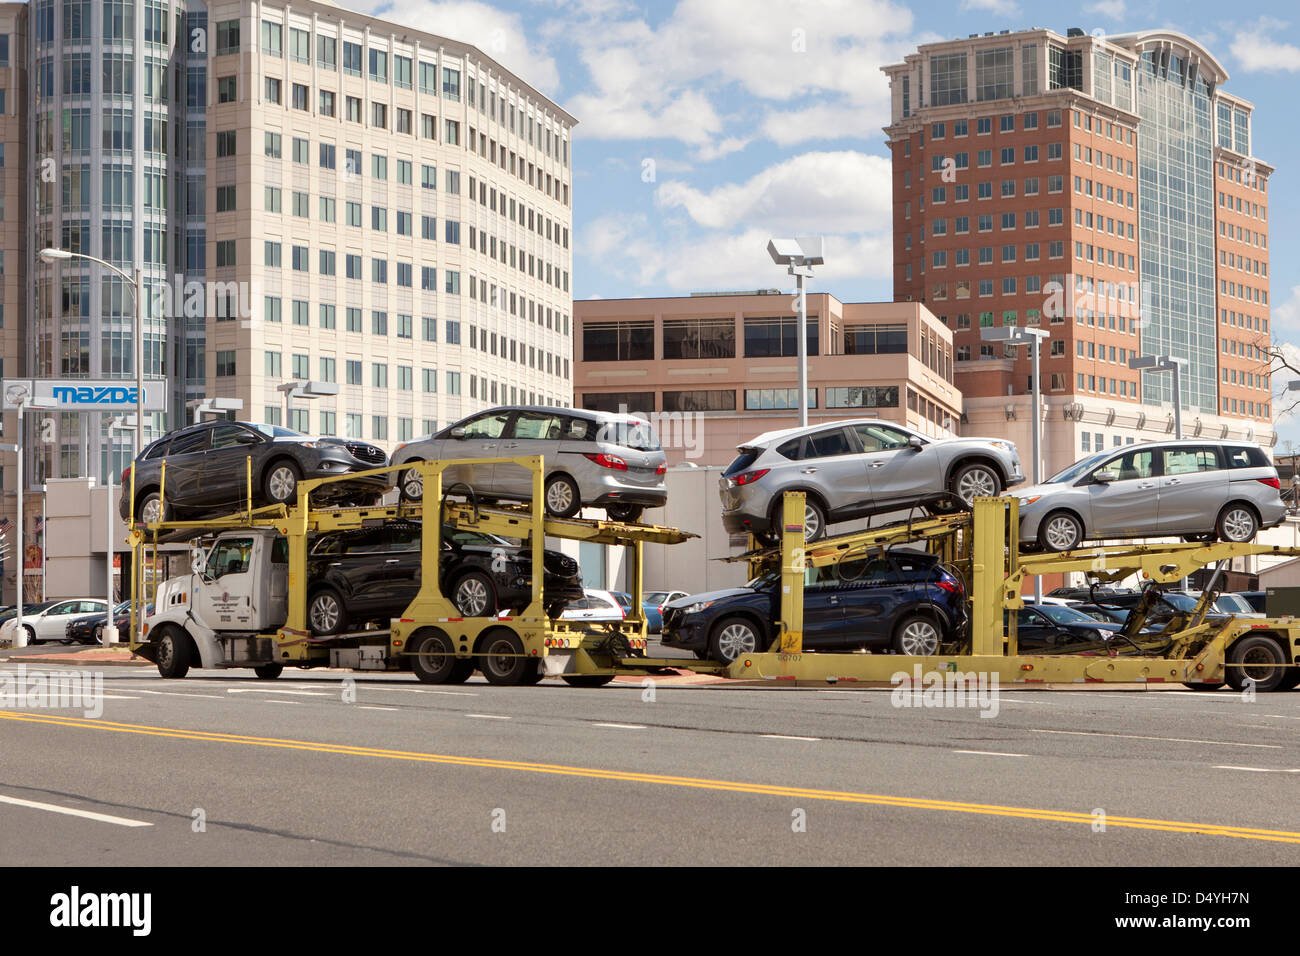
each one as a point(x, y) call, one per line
point(268, 671)
point(1261, 660)
point(434, 657)
point(533, 675)
point(501, 658)
point(174, 653)
point(587, 680)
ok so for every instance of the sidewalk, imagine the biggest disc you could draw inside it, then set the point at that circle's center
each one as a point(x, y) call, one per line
point(87, 657)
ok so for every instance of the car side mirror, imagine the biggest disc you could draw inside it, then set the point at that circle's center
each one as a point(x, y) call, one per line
point(1105, 477)
point(915, 443)
point(247, 439)
point(458, 433)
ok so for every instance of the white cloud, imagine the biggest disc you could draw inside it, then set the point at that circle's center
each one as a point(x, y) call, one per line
point(656, 81)
point(837, 192)
point(824, 121)
point(721, 260)
point(499, 34)
point(1001, 7)
point(1257, 49)
point(1114, 9)
point(711, 151)
point(1286, 317)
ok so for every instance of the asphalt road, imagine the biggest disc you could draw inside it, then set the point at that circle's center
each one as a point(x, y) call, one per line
point(222, 769)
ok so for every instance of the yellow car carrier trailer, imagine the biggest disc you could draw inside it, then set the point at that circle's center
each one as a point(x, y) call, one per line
point(431, 638)
point(1201, 652)
point(434, 641)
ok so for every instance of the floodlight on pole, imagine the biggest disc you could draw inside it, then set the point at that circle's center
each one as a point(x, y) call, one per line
point(302, 389)
point(1165, 363)
point(1019, 335)
point(213, 406)
point(800, 255)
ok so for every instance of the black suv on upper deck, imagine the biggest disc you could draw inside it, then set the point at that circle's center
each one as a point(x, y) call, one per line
point(206, 470)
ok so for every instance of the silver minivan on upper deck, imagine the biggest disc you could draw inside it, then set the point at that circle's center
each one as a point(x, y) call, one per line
point(1195, 489)
point(591, 458)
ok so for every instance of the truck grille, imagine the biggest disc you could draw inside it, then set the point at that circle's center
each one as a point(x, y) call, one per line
point(366, 453)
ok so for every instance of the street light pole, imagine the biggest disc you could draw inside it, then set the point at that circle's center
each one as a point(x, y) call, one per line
point(118, 423)
point(800, 255)
point(136, 285)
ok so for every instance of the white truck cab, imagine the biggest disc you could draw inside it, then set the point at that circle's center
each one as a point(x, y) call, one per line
point(237, 589)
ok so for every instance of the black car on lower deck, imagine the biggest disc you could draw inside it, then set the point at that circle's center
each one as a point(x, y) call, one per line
point(207, 470)
point(373, 574)
point(903, 599)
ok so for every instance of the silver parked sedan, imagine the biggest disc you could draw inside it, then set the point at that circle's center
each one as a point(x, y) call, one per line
point(850, 469)
point(591, 458)
point(1194, 489)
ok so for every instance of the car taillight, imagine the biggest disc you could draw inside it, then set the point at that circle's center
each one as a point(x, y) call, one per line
point(952, 587)
point(749, 477)
point(662, 469)
point(126, 475)
point(1271, 482)
point(608, 461)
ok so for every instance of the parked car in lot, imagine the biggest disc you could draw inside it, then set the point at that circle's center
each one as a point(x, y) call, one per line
point(373, 574)
point(592, 459)
point(653, 605)
point(89, 628)
point(49, 621)
point(7, 622)
point(1193, 488)
point(595, 605)
point(1236, 605)
point(206, 471)
point(903, 600)
point(1256, 599)
point(850, 469)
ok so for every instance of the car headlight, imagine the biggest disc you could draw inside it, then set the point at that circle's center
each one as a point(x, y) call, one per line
point(1004, 445)
point(1028, 501)
point(698, 607)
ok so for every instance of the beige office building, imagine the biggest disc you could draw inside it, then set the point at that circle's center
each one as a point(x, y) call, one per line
point(713, 370)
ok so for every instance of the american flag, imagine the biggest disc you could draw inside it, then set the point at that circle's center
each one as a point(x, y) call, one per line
point(39, 525)
point(4, 525)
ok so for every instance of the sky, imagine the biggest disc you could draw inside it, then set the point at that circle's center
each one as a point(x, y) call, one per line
point(705, 127)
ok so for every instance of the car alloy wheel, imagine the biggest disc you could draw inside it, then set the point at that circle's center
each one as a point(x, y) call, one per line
point(735, 639)
point(812, 522)
point(412, 485)
point(559, 497)
point(325, 613)
point(919, 638)
point(1061, 533)
point(151, 511)
point(976, 481)
point(282, 483)
point(472, 596)
point(1237, 524)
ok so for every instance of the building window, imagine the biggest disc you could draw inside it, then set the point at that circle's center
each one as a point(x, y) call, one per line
point(625, 341)
point(778, 336)
point(863, 396)
point(700, 339)
point(762, 399)
point(700, 400)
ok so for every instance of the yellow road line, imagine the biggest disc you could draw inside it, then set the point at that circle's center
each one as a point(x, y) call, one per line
point(770, 790)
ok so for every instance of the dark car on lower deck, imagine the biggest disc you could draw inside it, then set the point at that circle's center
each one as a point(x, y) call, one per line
point(373, 574)
point(904, 600)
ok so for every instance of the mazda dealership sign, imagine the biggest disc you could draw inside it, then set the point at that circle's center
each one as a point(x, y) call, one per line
point(86, 395)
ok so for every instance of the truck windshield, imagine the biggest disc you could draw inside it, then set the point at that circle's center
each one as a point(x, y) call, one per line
point(229, 556)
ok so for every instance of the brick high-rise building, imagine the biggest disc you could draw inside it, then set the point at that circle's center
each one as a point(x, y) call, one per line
point(1103, 189)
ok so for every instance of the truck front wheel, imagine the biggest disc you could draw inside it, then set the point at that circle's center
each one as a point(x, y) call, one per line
point(174, 653)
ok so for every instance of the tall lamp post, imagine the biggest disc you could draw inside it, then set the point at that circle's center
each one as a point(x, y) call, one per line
point(800, 255)
point(136, 285)
point(213, 406)
point(1021, 335)
point(21, 398)
point(1165, 363)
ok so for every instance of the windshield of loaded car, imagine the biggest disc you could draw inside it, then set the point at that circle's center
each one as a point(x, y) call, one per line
point(1077, 470)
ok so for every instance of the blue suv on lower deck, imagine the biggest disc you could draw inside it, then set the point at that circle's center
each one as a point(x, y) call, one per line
point(902, 600)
